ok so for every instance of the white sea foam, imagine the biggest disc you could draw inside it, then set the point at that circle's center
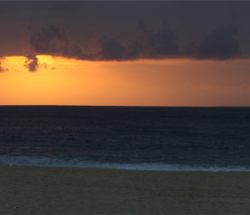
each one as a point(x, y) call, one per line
point(76, 163)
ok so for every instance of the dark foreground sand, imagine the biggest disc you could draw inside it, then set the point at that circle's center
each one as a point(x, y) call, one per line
point(30, 190)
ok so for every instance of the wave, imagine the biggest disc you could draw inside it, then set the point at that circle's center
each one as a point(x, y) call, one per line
point(76, 163)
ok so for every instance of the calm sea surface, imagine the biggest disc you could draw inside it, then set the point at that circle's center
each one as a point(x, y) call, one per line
point(126, 137)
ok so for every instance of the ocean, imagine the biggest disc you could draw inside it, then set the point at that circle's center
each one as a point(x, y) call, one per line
point(135, 138)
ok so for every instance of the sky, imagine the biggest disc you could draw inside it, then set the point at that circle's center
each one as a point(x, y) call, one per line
point(127, 53)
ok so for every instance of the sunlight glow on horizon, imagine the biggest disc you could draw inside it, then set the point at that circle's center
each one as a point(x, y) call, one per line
point(172, 82)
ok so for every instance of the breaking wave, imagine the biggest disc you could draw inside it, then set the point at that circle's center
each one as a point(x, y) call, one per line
point(76, 163)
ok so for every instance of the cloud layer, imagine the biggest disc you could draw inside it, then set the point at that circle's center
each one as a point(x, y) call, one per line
point(52, 40)
point(222, 43)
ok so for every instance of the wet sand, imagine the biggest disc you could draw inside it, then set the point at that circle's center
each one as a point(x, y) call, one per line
point(34, 190)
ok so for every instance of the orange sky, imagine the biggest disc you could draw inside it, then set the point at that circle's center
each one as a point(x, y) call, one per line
point(173, 82)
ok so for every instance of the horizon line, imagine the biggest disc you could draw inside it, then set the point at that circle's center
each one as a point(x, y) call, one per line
point(130, 106)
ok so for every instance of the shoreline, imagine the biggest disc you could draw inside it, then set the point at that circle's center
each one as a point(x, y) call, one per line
point(130, 168)
point(92, 191)
point(26, 161)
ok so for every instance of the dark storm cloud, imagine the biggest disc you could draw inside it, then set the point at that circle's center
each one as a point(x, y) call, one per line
point(48, 40)
point(155, 44)
point(146, 44)
point(32, 63)
point(112, 49)
point(54, 41)
point(104, 31)
point(222, 43)
point(162, 43)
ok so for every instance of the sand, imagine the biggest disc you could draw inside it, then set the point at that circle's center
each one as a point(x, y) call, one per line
point(34, 190)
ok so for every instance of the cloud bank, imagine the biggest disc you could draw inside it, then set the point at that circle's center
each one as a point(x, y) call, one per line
point(220, 44)
point(53, 41)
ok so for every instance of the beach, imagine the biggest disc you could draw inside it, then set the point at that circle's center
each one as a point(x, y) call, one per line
point(42, 190)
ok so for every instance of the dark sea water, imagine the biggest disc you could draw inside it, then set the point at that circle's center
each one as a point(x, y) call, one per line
point(216, 139)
